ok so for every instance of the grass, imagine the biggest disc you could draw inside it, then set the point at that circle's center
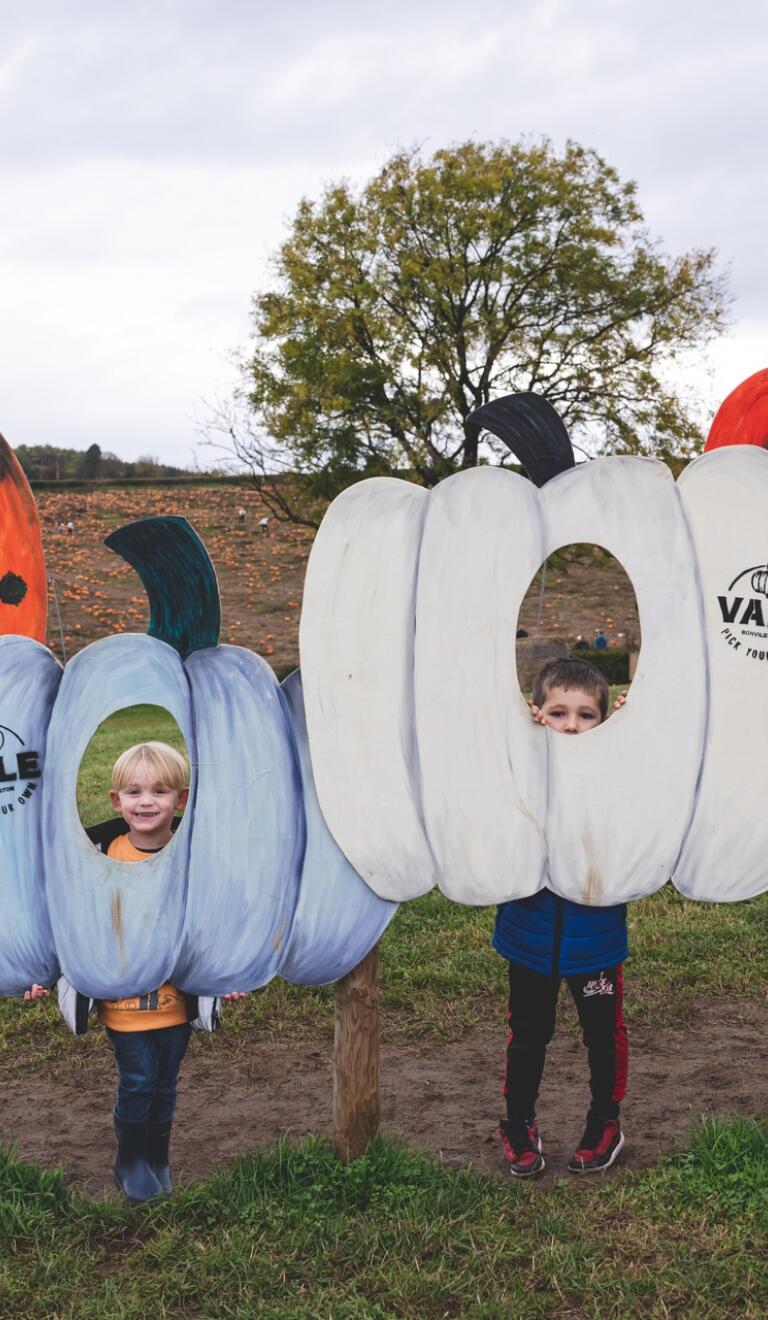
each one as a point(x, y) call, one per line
point(292, 1232)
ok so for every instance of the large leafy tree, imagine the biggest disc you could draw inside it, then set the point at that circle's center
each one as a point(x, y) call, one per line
point(399, 307)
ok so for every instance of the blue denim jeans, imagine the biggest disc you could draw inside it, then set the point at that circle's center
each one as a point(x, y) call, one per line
point(148, 1063)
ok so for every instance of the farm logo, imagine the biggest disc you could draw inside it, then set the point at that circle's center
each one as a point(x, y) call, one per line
point(19, 772)
point(744, 613)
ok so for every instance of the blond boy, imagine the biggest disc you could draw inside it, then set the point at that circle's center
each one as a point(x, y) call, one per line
point(149, 1031)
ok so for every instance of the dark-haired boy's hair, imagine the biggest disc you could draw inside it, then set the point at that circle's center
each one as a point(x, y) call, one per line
point(570, 674)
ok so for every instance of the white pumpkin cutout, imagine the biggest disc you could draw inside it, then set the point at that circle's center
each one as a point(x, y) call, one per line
point(427, 765)
point(725, 496)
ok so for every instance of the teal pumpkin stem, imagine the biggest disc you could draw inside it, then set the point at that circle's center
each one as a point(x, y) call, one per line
point(178, 577)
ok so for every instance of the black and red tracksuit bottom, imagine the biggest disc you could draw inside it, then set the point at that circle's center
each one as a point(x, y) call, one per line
point(532, 1006)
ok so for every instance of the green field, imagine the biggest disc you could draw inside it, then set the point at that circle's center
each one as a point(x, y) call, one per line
point(293, 1233)
point(290, 1232)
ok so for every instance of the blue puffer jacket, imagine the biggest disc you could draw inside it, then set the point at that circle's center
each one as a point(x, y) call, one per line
point(557, 937)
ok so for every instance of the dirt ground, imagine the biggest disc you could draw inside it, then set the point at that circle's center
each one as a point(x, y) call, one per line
point(443, 1098)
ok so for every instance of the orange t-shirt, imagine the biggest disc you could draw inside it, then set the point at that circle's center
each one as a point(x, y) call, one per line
point(166, 1007)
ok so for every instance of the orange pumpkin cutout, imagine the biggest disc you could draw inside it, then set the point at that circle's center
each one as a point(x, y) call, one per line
point(742, 418)
point(23, 586)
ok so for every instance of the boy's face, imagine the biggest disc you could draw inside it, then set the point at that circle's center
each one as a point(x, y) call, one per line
point(147, 807)
point(570, 710)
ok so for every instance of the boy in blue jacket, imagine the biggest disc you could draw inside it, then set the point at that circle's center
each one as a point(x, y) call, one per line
point(545, 938)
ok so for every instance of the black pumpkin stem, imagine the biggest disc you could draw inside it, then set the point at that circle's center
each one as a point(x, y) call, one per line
point(529, 426)
point(178, 577)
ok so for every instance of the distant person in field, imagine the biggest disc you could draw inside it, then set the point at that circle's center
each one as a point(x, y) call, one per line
point(149, 1030)
point(546, 938)
point(241, 515)
point(600, 642)
point(581, 644)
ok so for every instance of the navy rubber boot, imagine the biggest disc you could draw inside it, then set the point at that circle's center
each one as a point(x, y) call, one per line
point(158, 1145)
point(132, 1173)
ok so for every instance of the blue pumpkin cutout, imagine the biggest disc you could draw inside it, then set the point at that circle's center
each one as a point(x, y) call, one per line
point(252, 883)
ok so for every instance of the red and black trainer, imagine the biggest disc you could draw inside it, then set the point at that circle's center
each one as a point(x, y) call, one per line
point(522, 1147)
point(599, 1146)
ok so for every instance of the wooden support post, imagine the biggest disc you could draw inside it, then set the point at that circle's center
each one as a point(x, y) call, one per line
point(356, 1108)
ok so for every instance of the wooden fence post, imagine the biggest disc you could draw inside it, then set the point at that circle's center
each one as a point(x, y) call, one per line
point(356, 1109)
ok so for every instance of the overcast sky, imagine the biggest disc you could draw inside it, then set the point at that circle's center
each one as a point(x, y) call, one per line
point(152, 154)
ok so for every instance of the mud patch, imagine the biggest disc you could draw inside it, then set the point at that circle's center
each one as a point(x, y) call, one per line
point(443, 1098)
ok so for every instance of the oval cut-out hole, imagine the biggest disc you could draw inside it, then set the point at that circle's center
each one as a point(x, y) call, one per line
point(124, 729)
point(581, 603)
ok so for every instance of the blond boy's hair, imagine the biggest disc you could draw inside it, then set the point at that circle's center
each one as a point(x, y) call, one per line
point(163, 763)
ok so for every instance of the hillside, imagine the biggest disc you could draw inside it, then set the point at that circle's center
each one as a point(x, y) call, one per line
point(261, 574)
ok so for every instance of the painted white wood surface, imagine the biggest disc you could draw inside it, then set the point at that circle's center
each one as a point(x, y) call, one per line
point(483, 760)
point(115, 924)
point(616, 804)
point(247, 826)
point(29, 680)
point(357, 654)
point(338, 918)
point(621, 796)
point(725, 494)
